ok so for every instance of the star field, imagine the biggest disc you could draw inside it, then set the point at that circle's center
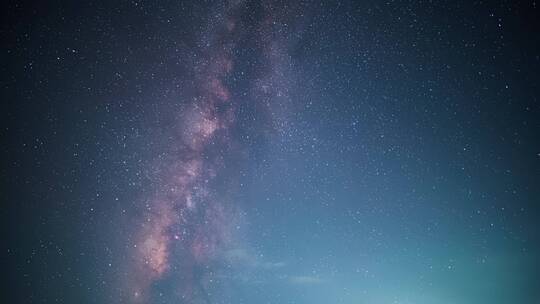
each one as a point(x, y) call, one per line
point(270, 152)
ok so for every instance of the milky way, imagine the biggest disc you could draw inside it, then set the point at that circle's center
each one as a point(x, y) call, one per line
point(187, 225)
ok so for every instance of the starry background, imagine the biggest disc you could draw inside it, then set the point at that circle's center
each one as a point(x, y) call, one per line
point(356, 152)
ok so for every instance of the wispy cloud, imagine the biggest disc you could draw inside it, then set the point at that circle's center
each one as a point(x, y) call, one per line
point(254, 268)
point(248, 259)
point(304, 280)
point(273, 265)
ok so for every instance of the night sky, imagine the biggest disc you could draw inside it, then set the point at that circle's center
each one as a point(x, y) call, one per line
point(270, 152)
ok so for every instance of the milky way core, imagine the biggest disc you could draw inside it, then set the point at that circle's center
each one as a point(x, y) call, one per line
point(187, 226)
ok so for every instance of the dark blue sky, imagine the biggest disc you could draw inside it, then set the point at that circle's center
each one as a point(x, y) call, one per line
point(271, 152)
